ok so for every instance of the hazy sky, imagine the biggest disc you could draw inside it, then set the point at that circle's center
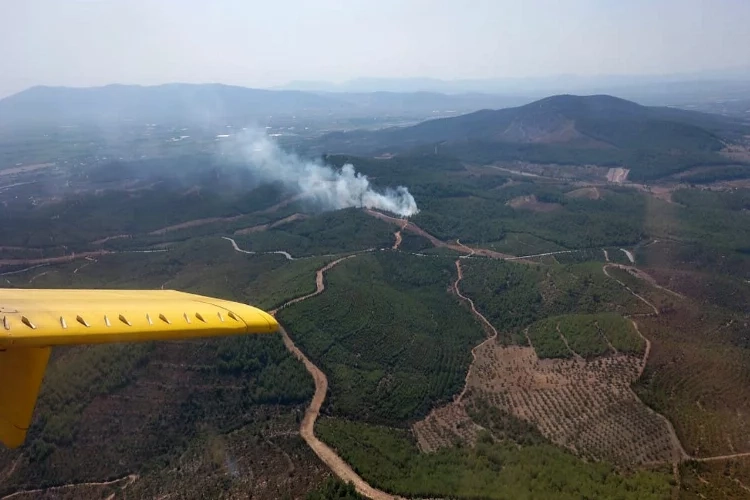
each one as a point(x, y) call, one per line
point(270, 42)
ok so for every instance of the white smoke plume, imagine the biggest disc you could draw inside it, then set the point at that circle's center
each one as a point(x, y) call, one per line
point(332, 189)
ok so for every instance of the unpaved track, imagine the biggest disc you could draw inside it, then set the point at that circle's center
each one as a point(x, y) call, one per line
point(678, 445)
point(481, 318)
point(53, 260)
point(629, 255)
point(397, 235)
point(307, 428)
point(721, 457)
point(643, 275)
point(681, 454)
point(642, 299)
point(565, 341)
point(413, 228)
point(287, 255)
point(131, 478)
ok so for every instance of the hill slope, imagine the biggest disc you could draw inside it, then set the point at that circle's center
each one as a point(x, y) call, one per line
point(598, 121)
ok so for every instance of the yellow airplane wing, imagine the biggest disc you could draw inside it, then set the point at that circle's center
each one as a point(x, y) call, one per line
point(32, 321)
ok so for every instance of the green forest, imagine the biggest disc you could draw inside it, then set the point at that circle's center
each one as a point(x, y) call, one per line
point(384, 346)
point(497, 470)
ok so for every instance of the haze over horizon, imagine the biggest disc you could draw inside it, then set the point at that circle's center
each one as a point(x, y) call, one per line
point(91, 43)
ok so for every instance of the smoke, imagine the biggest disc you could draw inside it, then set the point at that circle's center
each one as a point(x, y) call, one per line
point(330, 188)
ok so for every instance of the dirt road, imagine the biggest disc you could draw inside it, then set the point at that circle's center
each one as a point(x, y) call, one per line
point(629, 255)
point(307, 428)
point(680, 453)
point(53, 260)
point(287, 255)
point(407, 225)
point(397, 235)
point(643, 275)
point(642, 299)
point(127, 480)
point(488, 327)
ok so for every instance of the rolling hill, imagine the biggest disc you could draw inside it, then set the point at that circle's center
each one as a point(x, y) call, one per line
point(598, 121)
point(652, 142)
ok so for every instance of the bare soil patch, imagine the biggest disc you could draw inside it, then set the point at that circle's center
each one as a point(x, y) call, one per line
point(264, 227)
point(110, 238)
point(445, 426)
point(587, 406)
point(194, 223)
point(618, 175)
point(532, 203)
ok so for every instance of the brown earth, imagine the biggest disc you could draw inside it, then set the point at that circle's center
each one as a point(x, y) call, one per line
point(194, 223)
point(532, 203)
point(618, 175)
point(586, 406)
point(110, 238)
point(414, 229)
point(280, 222)
point(77, 490)
point(307, 429)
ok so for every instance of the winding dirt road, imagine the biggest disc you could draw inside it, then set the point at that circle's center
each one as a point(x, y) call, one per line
point(407, 225)
point(53, 260)
point(397, 235)
point(287, 255)
point(128, 480)
point(307, 428)
point(481, 318)
point(642, 299)
point(680, 453)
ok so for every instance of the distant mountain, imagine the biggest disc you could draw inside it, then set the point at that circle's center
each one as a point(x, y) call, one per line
point(162, 103)
point(664, 90)
point(215, 103)
point(588, 122)
point(520, 83)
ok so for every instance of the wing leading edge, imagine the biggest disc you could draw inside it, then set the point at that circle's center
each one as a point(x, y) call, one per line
point(32, 321)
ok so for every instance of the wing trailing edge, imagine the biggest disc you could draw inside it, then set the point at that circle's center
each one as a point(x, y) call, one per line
point(33, 321)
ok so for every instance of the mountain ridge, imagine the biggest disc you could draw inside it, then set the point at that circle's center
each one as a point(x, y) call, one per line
point(597, 121)
point(216, 102)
